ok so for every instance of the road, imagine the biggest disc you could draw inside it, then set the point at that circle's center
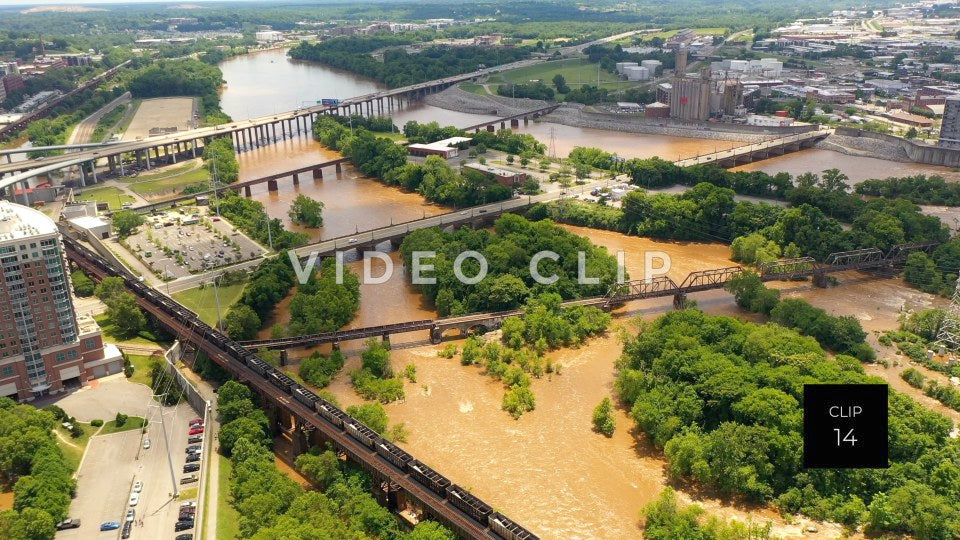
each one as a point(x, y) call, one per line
point(84, 130)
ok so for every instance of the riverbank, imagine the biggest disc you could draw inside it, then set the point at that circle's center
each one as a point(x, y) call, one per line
point(578, 115)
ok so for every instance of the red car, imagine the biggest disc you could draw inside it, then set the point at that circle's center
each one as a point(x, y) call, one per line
point(196, 430)
point(196, 421)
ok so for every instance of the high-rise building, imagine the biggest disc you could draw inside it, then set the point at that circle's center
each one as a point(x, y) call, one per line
point(44, 347)
point(690, 98)
point(950, 129)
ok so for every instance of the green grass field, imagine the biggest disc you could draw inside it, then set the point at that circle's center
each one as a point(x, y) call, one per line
point(158, 175)
point(133, 422)
point(173, 183)
point(141, 368)
point(110, 195)
point(73, 450)
point(145, 338)
point(576, 71)
point(227, 526)
point(474, 88)
point(204, 303)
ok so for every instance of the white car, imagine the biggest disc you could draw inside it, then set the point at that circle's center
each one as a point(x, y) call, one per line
point(138, 487)
point(146, 444)
point(131, 514)
point(134, 499)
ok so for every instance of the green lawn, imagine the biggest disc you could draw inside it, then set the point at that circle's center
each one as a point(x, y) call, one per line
point(145, 338)
point(73, 451)
point(227, 527)
point(474, 88)
point(577, 71)
point(110, 195)
point(203, 301)
point(159, 174)
point(174, 183)
point(188, 493)
point(133, 422)
point(141, 368)
point(394, 136)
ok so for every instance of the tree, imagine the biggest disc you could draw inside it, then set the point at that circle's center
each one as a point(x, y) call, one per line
point(241, 322)
point(125, 221)
point(306, 211)
point(241, 428)
point(110, 288)
point(603, 420)
point(376, 358)
point(372, 415)
point(32, 524)
point(430, 530)
point(321, 469)
point(911, 133)
point(82, 285)
point(560, 83)
point(126, 315)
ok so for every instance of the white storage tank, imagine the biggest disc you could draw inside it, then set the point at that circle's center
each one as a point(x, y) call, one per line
point(651, 65)
point(636, 73)
point(622, 66)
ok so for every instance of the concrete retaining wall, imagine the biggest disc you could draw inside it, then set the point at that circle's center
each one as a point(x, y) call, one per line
point(883, 146)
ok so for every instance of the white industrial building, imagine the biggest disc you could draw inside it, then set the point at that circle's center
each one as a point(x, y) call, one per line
point(767, 67)
point(269, 36)
point(622, 66)
point(636, 73)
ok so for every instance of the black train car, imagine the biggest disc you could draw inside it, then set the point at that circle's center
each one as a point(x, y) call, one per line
point(360, 432)
point(471, 505)
point(393, 454)
point(506, 528)
point(306, 397)
point(331, 413)
point(430, 478)
point(258, 365)
point(281, 380)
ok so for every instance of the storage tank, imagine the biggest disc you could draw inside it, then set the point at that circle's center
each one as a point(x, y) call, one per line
point(651, 65)
point(622, 66)
point(636, 73)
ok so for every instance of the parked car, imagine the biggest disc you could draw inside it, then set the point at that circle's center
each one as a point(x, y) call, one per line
point(196, 430)
point(193, 458)
point(184, 537)
point(189, 504)
point(189, 479)
point(196, 421)
point(194, 448)
point(195, 439)
point(185, 516)
point(183, 525)
point(137, 486)
point(191, 467)
point(110, 526)
point(127, 529)
point(190, 510)
point(146, 444)
point(69, 523)
point(131, 515)
point(134, 499)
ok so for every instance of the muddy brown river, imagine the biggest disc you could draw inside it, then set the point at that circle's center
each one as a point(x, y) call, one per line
point(548, 469)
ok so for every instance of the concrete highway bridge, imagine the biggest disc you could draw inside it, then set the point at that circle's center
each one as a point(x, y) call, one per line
point(399, 481)
point(741, 155)
point(871, 259)
point(513, 120)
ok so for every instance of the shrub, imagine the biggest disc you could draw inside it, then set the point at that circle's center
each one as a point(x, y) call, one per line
point(96, 423)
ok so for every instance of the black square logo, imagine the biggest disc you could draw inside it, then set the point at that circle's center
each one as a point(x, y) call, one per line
point(845, 426)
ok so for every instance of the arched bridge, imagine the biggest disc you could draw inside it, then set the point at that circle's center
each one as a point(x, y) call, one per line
point(662, 286)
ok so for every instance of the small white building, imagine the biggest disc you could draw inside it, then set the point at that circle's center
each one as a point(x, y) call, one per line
point(94, 226)
point(769, 121)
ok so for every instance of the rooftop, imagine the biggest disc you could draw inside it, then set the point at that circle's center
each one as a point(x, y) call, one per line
point(445, 144)
point(18, 221)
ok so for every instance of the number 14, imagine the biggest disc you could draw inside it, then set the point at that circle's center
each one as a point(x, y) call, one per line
point(846, 438)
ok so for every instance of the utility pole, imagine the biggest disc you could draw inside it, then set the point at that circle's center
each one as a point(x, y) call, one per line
point(948, 337)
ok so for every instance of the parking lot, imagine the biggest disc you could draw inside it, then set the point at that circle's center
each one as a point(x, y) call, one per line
point(113, 463)
point(177, 245)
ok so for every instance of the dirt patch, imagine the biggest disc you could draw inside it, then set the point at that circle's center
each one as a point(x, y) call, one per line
point(161, 116)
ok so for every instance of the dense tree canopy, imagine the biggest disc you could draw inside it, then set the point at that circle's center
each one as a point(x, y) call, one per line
point(721, 397)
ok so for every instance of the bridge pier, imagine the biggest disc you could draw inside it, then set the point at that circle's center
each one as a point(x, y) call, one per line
point(680, 301)
point(318, 174)
point(514, 122)
point(272, 185)
point(820, 280)
point(491, 128)
point(284, 357)
point(246, 191)
point(436, 335)
point(339, 168)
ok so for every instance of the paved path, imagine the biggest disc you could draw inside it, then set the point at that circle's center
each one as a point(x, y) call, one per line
point(84, 130)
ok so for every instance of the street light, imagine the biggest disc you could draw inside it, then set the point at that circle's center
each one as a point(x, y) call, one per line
point(216, 296)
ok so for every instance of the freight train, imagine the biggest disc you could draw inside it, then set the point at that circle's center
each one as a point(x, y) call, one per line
point(457, 496)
